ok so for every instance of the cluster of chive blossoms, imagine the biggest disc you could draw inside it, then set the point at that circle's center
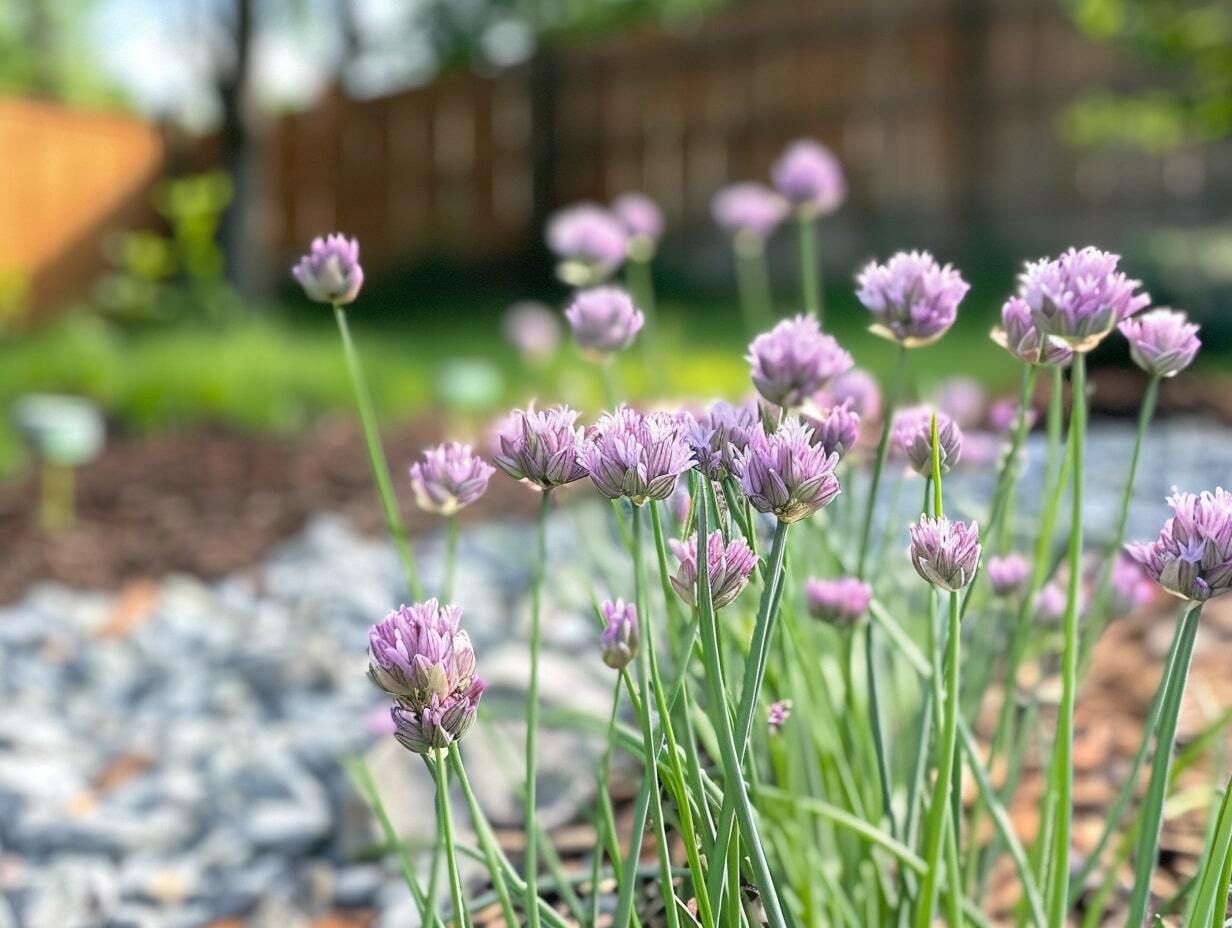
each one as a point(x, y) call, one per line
point(794, 360)
point(1192, 557)
point(913, 299)
point(450, 477)
point(729, 564)
point(330, 272)
point(421, 657)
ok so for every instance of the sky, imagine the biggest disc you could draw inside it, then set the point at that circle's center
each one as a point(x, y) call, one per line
point(163, 53)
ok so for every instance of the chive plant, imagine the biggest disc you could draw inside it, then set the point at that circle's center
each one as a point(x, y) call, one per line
point(800, 710)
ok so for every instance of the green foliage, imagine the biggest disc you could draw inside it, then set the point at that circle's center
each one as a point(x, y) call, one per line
point(1190, 44)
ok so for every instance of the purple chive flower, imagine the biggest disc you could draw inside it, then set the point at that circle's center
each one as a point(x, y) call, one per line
point(441, 722)
point(1003, 415)
point(1162, 342)
point(532, 329)
point(1007, 574)
point(1020, 336)
point(963, 400)
point(420, 656)
point(1051, 602)
point(642, 220)
point(450, 477)
point(590, 242)
point(419, 650)
point(1080, 296)
point(604, 320)
point(785, 474)
point(913, 299)
point(945, 553)
point(794, 360)
point(330, 272)
point(620, 637)
point(1192, 557)
point(810, 177)
point(836, 429)
point(541, 446)
point(749, 211)
point(777, 715)
point(716, 436)
point(912, 436)
point(859, 389)
point(1131, 587)
point(635, 455)
point(728, 567)
point(842, 602)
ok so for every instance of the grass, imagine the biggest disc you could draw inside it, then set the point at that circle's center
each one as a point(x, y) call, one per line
point(274, 372)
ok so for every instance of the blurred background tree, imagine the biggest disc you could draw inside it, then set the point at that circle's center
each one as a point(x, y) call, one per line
point(1189, 42)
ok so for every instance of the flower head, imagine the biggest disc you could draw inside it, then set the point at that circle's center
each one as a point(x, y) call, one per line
point(716, 436)
point(440, 722)
point(635, 455)
point(541, 446)
point(836, 429)
point(749, 211)
point(450, 477)
point(945, 553)
point(1130, 584)
point(590, 242)
point(620, 635)
point(330, 272)
point(420, 650)
point(1003, 415)
point(794, 360)
point(533, 329)
point(1020, 336)
point(859, 389)
point(810, 177)
point(1052, 601)
point(1007, 574)
point(604, 320)
point(1162, 342)
point(777, 715)
point(1192, 557)
point(642, 220)
point(963, 400)
point(912, 436)
point(784, 473)
point(728, 567)
point(842, 602)
point(1080, 296)
point(912, 298)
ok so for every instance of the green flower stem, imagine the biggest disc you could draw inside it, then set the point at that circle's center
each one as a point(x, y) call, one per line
point(1005, 829)
point(1210, 903)
point(487, 843)
point(498, 863)
point(1062, 777)
point(650, 739)
point(810, 267)
point(641, 812)
point(640, 280)
point(362, 777)
point(1130, 784)
point(56, 500)
point(753, 282)
point(1098, 615)
point(754, 673)
point(1147, 849)
point(953, 883)
point(670, 599)
point(451, 558)
point(611, 389)
point(376, 456)
point(460, 914)
point(939, 805)
point(531, 865)
point(870, 651)
point(1000, 519)
point(731, 756)
point(678, 781)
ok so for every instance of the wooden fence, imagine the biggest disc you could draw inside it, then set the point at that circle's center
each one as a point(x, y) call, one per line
point(67, 178)
point(943, 111)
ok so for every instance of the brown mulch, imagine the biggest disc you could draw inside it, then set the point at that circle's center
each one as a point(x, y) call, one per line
point(209, 502)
